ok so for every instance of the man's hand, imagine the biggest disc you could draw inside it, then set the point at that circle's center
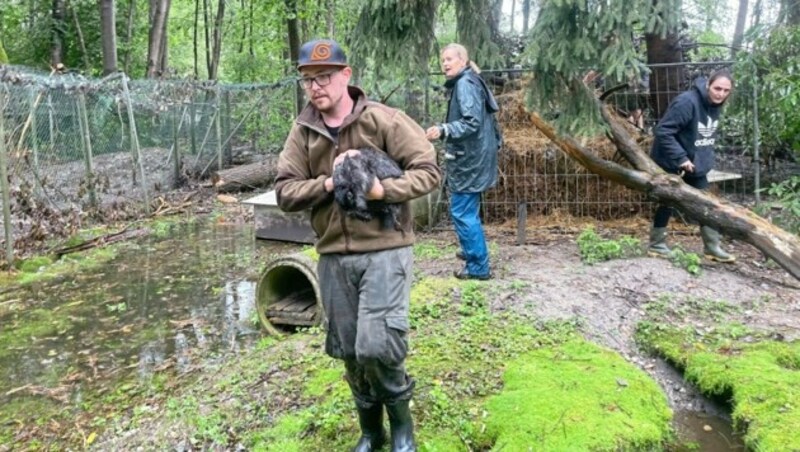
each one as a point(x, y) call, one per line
point(687, 166)
point(340, 158)
point(433, 133)
point(336, 162)
point(376, 192)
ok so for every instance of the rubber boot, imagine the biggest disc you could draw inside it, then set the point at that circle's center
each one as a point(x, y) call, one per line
point(373, 435)
point(402, 426)
point(658, 242)
point(711, 247)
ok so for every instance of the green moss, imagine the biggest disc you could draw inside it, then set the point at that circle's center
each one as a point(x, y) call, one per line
point(34, 264)
point(311, 252)
point(37, 323)
point(760, 379)
point(577, 396)
point(285, 435)
point(324, 380)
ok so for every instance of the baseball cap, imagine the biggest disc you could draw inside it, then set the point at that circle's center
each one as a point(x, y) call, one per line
point(321, 52)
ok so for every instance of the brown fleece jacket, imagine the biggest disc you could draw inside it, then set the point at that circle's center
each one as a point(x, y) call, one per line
point(307, 160)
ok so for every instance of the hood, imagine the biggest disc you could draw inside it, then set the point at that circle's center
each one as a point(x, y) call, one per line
point(491, 103)
point(700, 86)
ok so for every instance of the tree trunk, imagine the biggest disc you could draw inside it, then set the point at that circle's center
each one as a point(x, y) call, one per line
point(108, 30)
point(163, 53)
point(790, 12)
point(159, 9)
point(330, 18)
point(217, 43)
point(526, 16)
point(732, 220)
point(738, 32)
point(207, 36)
point(249, 176)
point(513, 14)
point(495, 13)
point(81, 41)
point(126, 65)
point(665, 82)
point(57, 49)
point(194, 37)
point(244, 30)
point(294, 49)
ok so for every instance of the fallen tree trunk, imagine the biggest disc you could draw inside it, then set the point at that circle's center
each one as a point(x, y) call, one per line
point(249, 176)
point(732, 220)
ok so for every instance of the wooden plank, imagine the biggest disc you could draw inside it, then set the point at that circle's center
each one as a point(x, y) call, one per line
point(296, 307)
point(719, 176)
point(306, 296)
point(282, 321)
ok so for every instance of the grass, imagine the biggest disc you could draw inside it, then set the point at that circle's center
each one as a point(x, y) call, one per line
point(757, 375)
point(594, 249)
point(289, 396)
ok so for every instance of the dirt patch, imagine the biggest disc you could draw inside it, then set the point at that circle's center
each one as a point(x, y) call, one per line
point(606, 300)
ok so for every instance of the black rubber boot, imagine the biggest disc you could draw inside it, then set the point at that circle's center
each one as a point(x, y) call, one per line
point(402, 426)
point(373, 435)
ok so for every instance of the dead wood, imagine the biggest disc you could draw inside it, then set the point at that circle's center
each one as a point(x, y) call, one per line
point(99, 242)
point(732, 220)
point(247, 177)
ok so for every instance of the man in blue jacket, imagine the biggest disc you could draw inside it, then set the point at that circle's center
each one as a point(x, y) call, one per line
point(684, 144)
point(472, 139)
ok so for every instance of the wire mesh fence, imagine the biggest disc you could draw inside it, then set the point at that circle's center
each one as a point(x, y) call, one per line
point(108, 147)
point(536, 178)
point(74, 145)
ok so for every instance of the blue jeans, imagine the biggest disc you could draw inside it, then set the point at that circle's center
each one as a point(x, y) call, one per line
point(464, 211)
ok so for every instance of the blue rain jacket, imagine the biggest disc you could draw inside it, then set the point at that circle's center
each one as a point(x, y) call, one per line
point(472, 136)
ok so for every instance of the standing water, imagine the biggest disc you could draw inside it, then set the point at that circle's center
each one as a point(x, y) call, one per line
point(160, 307)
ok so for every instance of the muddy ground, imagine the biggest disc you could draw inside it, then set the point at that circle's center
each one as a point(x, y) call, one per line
point(606, 299)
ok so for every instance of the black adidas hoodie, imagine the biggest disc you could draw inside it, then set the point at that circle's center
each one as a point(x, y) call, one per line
point(688, 131)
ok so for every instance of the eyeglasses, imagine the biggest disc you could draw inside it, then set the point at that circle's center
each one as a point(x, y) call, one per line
point(321, 79)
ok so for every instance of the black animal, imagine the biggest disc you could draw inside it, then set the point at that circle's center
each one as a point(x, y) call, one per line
point(353, 178)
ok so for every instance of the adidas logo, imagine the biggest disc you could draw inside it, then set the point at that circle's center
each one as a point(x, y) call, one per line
point(708, 129)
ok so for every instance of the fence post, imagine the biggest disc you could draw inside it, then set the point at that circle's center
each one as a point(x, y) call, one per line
point(35, 137)
point(176, 154)
point(226, 132)
point(756, 136)
point(138, 166)
point(218, 128)
point(86, 145)
point(9, 236)
point(51, 123)
point(192, 128)
point(522, 221)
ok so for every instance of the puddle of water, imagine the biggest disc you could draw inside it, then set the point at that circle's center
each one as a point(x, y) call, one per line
point(161, 304)
point(709, 433)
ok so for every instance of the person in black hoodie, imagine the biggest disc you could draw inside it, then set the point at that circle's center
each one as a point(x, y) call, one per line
point(684, 144)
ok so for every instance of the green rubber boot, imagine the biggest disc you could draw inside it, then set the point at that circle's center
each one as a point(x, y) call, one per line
point(711, 248)
point(658, 243)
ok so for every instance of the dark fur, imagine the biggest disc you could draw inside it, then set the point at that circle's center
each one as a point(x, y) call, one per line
point(353, 178)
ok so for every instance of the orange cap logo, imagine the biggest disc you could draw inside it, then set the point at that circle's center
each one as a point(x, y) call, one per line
point(321, 52)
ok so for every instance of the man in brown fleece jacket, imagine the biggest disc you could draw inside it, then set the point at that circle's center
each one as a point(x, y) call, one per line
point(364, 269)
